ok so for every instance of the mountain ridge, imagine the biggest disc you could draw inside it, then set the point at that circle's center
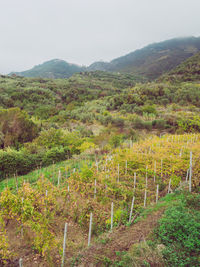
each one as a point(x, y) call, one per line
point(55, 68)
point(149, 62)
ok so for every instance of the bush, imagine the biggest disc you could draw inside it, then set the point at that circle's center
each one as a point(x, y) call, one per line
point(149, 109)
point(22, 162)
point(16, 128)
point(115, 140)
point(179, 231)
point(159, 124)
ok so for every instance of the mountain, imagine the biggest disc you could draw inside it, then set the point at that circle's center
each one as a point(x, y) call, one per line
point(189, 70)
point(99, 65)
point(55, 68)
point(153, 60)
point(149, 62)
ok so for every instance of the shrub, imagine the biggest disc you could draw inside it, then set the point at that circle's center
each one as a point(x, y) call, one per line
point(22, 162)
point(16, 128)
point(149, 109)
point(159, 124)
point(115, 140)
point(179, 231)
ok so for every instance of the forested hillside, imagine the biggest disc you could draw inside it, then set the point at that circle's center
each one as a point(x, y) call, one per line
point(107, 161)
point(188, 71)
point(54, 68)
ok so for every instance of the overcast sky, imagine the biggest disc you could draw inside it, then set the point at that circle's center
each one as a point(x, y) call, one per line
point(84, 31)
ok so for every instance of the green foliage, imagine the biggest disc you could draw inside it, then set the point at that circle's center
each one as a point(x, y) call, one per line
point(187, 71)
point(175, 180)
point(179, 232)
point(115, 140)
point(5, 253)
point(22, 162)
point(86, 173)
point(15, 127)
point(55, 68)
point(46, 98)
point(193, 200)
point(86, 146)
point(51, 138)
point(189, 123)
point(149, 109)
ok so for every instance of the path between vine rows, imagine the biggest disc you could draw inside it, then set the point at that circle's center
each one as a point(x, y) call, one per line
point(120, 240)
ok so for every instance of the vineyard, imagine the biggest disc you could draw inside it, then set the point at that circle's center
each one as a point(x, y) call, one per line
point(103, 193)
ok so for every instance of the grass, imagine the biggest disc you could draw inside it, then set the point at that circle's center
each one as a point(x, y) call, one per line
point(50, 172)
point(156, 250)
point(165, 202)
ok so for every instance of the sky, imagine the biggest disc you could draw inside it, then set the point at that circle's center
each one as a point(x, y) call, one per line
point(85, 31)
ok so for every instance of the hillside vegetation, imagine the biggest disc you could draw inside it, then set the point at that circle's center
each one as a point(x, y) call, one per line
point(46, 97)
point(113, 145)
point(54, 68)
point(185, 72)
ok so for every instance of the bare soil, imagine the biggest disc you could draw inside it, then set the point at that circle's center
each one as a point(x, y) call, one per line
point(120, 239)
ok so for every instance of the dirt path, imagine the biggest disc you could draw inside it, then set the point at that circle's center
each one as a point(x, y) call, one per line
point(120, 240)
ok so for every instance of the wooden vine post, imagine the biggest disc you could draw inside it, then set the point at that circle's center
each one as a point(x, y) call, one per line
point(131, 212)
point(146, 177)
point(59, 175)
point(169, 187)
point(154, 178)
point(90, 230)
point(190, 175)
point(145, 197)
point(111, 225)
point(157, 192)
point(64, 245)
point(134, 181)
